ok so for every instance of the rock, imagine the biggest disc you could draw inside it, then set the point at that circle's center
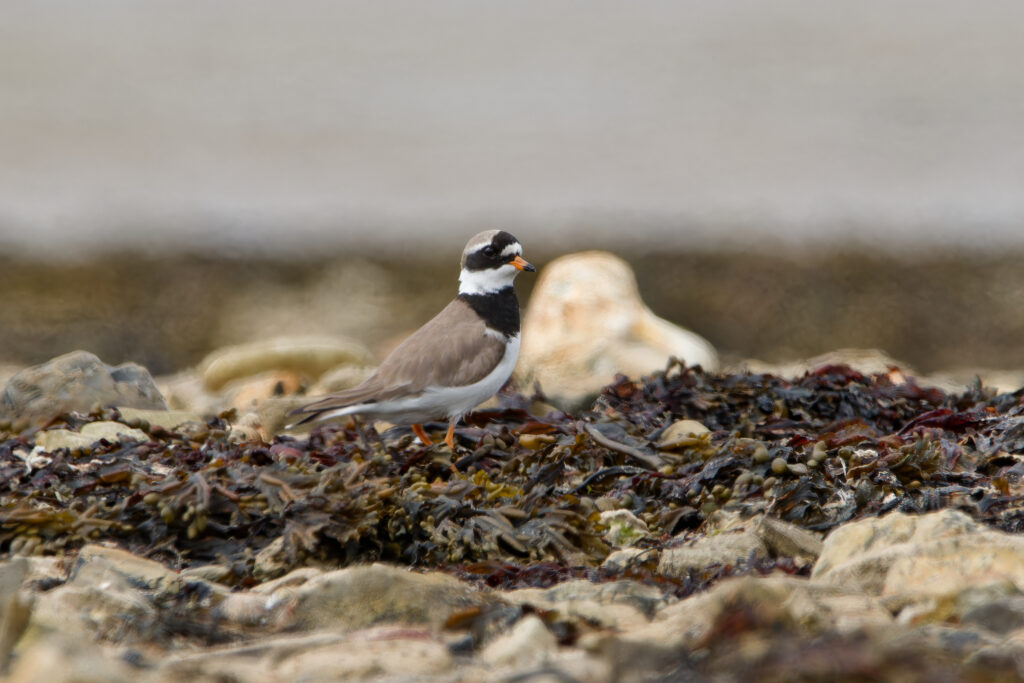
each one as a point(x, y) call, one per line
point(783, 539)
point(252, 661)
point(210, 573)
point(682, 433)
point(528, 643)
point(271, 416)
point(185, 391)
point(14, 607)
point(96, 562)
point(866, 361)
point(341, 378)
point(292, 579)
point(306, 356)
point(616, 604)
point(363, 596)
point(88, 435)
point(586, 322)
point(624, 558)
point(77, 381)
point(166, 419)
point(996, 608)
point(62, 659)
point(248, 392)
point(105, 605)
point(245, 609)
point(776, 603)
point(269, 562)
point(938, 554)
point(401, 654)
point(724, 548)
point(624, 527)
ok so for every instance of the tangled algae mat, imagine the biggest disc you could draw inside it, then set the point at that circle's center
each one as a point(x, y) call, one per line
point(519, 503)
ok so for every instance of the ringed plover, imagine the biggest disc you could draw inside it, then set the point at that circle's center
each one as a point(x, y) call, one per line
point(457, 360)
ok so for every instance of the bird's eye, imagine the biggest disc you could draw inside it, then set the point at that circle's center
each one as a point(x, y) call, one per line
point(489, 252)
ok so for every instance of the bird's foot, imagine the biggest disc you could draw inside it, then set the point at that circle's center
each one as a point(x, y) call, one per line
point(417, 429)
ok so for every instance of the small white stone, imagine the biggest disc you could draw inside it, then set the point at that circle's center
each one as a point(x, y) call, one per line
point(529, 642)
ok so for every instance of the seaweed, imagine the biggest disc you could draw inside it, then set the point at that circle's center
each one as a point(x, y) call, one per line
point(519, 503)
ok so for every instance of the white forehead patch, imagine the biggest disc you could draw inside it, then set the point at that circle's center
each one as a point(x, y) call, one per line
point(514, 248)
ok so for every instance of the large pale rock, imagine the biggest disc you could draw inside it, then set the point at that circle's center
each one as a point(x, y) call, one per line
point(528, 643)
point(624, 527)
point(616, 604)
point(307, 356)
point(166, 419)
point(89, 434)
point(774, 603)
point(401, 655)
point(586, 322)
point(96, 562)
point(59, 658)
point(77, 381)
point(363, 596)
point(937, 554)
point(724, 548)
point(784, 539)
point(14, 607)
point(109, 593)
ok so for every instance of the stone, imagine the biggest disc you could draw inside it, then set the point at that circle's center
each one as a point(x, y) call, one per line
point(210, 573)
point(88, 435)
point(14, 607)
point(292, 579)
point(269, 562)
point(401, 654)
point(363, 596)
point(246, 609)
point(624, 527)
point(996, 608)
point(165, 419)
point(865, 361)
point(306, 356)
point(271, 416)
point(682, 433)
point(59, 658)
point(96, 560)
point(77, 381)
point(252, 661)
point(616, 604)
point(341, 378)
point(185, 391)
point(937, 554)
point(586, 322)
point(101, 603)
point(783, 539)
point(723, 548)
point(624, 558)
point(528, 643)
point(243, 394)
point(776, 603)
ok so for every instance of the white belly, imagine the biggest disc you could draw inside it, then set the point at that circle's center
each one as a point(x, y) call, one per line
point(439, 402)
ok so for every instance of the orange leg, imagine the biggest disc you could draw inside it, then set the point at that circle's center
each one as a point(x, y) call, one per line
point(418, 431)
point(449, 436)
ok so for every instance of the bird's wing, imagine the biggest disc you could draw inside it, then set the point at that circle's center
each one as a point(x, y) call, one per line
point(452, 349)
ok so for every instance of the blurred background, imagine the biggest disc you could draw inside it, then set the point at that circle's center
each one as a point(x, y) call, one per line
point(787, 178)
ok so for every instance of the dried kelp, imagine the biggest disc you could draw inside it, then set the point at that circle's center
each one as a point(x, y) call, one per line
point(521, 500)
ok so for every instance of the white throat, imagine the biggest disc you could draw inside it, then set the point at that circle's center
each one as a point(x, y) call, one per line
point(486, 281)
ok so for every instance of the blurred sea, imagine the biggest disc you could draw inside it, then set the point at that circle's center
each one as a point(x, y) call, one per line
point(257, 127)
point(787, 177)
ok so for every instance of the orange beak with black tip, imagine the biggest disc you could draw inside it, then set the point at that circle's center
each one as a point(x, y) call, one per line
point(519, 264)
